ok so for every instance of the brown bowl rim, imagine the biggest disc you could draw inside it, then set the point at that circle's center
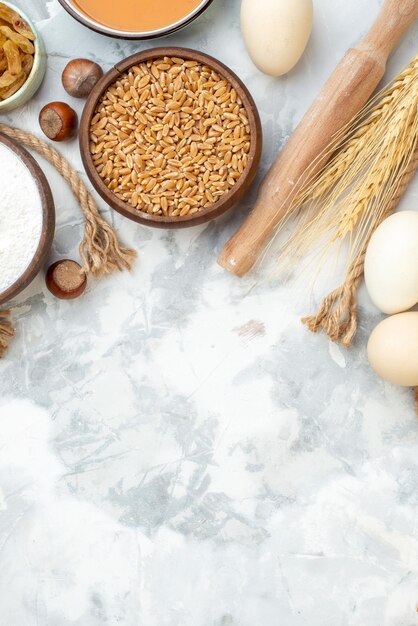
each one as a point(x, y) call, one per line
point(229, 199)
point(96, 27)
point(48, 221)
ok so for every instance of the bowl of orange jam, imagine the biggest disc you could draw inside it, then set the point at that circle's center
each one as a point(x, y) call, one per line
point(135, 19)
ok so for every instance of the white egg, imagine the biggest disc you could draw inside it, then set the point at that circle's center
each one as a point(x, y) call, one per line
point(393, 349)
point(391, 264)
point(276, 32)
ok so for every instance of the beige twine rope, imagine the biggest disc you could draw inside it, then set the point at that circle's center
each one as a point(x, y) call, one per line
point(100, 250)
point(6, 332)
point(338, 314)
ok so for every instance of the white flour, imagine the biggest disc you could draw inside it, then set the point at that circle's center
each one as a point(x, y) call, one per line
point(20, 217)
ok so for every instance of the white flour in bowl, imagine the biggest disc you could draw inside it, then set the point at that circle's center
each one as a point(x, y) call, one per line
point(20, 217)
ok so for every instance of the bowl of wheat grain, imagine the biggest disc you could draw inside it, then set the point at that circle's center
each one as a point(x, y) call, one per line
point(171, 138)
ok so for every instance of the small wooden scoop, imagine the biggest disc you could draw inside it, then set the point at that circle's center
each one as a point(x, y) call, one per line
point(343, 96)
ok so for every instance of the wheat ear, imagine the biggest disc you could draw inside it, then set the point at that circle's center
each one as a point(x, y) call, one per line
point(362, 177)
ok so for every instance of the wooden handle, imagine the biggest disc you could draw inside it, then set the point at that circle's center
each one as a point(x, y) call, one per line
point(394, 19)
point(343, 96)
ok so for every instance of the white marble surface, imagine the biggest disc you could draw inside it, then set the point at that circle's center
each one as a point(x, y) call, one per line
point(158, 467)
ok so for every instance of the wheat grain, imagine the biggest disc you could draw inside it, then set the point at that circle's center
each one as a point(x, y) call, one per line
point(170, 136)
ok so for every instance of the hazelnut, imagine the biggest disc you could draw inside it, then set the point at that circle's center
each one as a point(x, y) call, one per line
point(80, 76)
point(58, 121)
point(66, 280)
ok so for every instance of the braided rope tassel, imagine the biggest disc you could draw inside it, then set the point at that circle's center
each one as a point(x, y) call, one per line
point(6, 332)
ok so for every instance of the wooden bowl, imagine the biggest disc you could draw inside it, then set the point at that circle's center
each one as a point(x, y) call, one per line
point(48, 221)
point(229, 199)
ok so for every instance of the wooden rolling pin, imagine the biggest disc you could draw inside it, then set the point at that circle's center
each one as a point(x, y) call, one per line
point(343, 96)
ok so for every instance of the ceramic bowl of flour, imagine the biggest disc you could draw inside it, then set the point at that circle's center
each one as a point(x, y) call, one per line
point(27, 219)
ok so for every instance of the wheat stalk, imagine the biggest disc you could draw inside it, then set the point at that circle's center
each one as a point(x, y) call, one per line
point(374, 111)
point(367, 192)
point(371, 154)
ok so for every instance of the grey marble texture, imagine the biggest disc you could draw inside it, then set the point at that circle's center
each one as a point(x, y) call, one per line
point(176, 449)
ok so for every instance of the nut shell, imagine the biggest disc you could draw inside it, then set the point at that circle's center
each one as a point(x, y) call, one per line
point(80, 76)
point(58, 121)
point(66, 280)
